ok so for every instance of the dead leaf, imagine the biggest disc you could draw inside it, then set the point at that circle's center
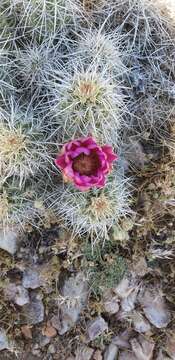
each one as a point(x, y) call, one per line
point(49, 330)
point(26, 331)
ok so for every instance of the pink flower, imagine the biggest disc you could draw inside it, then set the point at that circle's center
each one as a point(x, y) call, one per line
point(85, 163)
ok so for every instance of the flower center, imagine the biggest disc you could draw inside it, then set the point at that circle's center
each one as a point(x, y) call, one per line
point(86, 164)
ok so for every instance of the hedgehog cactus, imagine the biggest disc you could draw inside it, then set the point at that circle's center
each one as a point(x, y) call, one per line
point(23, 147)
point(95, 211)
point(96, 71)
point(88, 102)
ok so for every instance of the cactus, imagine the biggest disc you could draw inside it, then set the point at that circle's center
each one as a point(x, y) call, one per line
point(104, 49)
point(23, 146)
point(87, 101)
point(41, 17)
point(93, 212)
point(71, 69)
point(16, 207)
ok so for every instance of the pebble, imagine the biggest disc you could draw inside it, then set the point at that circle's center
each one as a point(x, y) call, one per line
point(96, 327)
point(4, 344)
point(34, 311)
point(111, 352)
point(8, 241)
point(17, 293)
point(31, 279)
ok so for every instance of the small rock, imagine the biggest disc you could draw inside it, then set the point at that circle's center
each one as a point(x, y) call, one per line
point(122, 340)
point(141, 325)
point(120, 235)
point(170, 345)
point(34, 311)
point(128, 304)
point(127, 291)
point(44, 341)
point(154, 308)
point(4, 344)
point(124, 288)
point(97, 355)
point(127, 355)
point(8, 241)
point(162, 356)
point(36, 352)
point(121, 315)
point(110, 302)
point(51, 349)
point(17, 294)
point(84, 353)
point(96, 327)
point(141, 268)
point(31, 279)
point(111, 352)
point(135, 155)
point(74, 294)
point(142, 348)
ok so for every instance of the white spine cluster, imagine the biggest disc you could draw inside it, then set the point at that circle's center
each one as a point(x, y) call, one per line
point(88, 101)
point(93, 212)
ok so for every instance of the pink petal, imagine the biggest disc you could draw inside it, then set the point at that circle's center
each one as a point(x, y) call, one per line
point(101, 182)
point(88, 141)
point(109, 153)
point(68, 171)
point(79, 151)
point(60, 162)
point(72, 145)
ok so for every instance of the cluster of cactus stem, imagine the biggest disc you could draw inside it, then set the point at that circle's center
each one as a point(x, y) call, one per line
point(71, 68)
